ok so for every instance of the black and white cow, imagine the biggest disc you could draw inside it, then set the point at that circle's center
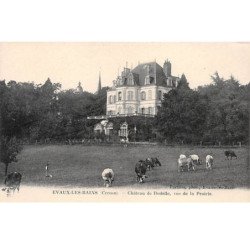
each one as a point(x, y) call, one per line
point(140, 170)
point(153, 162)
point(149, 163)
point(209, 162)
point(196, 159)
point(108, 176)
point(231, 154)
point(12, 182)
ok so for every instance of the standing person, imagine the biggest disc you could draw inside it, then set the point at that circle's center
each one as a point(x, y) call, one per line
point(47, 170)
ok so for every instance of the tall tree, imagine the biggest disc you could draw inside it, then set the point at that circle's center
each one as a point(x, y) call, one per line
point(183, 83)
point(182, 116)
point(9, 149)
point(227, 117)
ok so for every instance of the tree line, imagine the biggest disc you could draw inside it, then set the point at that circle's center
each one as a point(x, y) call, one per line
point(44, 112)
point(217, 112)
point(38, 112)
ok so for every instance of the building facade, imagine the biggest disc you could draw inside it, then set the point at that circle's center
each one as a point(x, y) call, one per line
point(140, 91)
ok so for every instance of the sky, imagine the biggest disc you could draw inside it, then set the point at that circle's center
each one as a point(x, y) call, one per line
point(69, 63)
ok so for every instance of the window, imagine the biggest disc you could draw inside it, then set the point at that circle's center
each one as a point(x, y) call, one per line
point(119, 96)
point(146, 80)
point(130, 95)
point(159, 95)
point(130, 110)
point(124, 130)
point(110, 99)
point(150, 94)
point(143, 95)
point(130, 80)
point(169, 82)
point(150, 110)
point(143, 111)
point(152, 80)
point(119, 110)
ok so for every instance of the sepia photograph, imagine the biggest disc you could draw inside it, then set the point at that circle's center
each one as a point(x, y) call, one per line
point(124, 124)
point(100, 121)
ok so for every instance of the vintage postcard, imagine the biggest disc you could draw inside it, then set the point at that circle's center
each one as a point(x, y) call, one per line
point(158, 122)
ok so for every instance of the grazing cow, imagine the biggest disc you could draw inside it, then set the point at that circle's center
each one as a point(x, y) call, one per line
point(108, 177)
point(156, 162)
point(231, 154)
point(185, 162)
point(196, 159)
point(209, 161)
point(149, 163)
point(12, 181)
point(141, 169)
point(182, 156)
point(152, 162)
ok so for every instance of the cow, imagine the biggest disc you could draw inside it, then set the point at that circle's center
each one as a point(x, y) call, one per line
point(196, 159)
point(140, 170)
point(182, 156)
point(153, 162)
point(231, 154)
point(108, 177)
point(12, 182)
point(149, 163)
point(185, 162)
point(156, 162)
point(209, 162)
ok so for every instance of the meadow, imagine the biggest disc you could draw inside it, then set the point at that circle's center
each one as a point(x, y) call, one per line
point(81, 166)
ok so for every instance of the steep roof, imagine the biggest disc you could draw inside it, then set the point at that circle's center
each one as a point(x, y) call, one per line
point(155, 70)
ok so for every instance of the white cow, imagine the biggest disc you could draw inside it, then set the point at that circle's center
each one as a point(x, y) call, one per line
point(209, 161)
point(182, 157)
point(184, 162)
point(108, 177)
point(196, 159)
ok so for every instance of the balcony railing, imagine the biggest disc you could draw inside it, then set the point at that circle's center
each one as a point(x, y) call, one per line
point(100, 117)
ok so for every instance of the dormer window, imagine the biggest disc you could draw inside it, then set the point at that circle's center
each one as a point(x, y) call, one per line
point(147, 80)
point(125, 80)
point(130, 80)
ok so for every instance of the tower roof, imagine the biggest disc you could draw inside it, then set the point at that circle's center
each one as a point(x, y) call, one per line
point(99, 83)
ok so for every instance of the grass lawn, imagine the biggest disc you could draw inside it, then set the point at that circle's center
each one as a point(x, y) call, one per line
point(81, 166)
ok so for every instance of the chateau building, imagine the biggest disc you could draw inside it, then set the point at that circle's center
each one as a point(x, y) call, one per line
point(135, 92)
point(139, 91)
